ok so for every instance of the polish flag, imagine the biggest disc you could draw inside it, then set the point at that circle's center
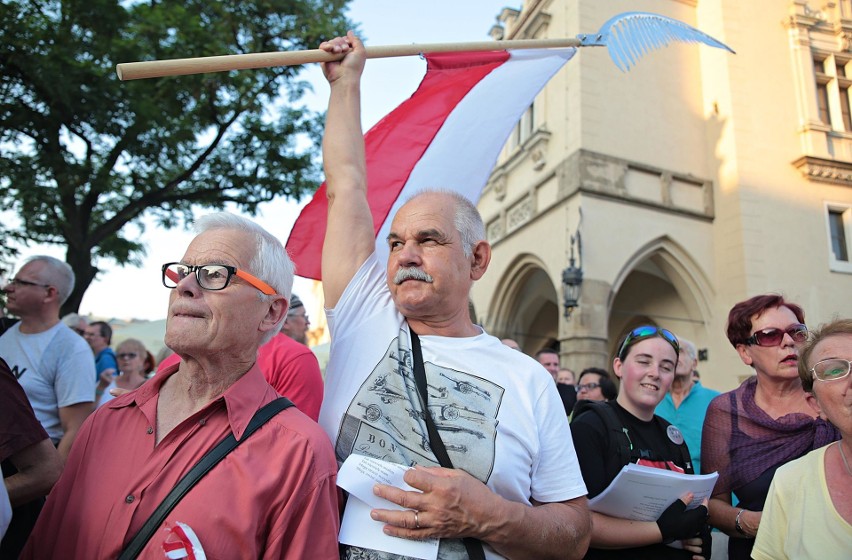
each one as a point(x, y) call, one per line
point(446, 136)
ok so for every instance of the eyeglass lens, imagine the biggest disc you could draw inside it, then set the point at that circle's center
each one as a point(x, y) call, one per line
point(587, 387)
point(831, 369)
point(773, 337)
point(209, 276)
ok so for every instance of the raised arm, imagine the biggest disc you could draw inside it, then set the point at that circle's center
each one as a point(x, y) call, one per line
point(349, 235)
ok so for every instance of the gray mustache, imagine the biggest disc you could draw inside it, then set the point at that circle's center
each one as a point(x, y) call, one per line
point(410, 273)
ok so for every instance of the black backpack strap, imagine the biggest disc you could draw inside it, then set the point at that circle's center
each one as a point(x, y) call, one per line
point(190, 479)
point(619, 442)
point(472, 545)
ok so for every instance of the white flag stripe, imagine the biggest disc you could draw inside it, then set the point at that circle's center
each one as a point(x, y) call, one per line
point(463, 152)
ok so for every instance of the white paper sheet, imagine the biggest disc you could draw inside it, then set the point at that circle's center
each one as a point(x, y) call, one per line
point(643, 493)
point(358, 475)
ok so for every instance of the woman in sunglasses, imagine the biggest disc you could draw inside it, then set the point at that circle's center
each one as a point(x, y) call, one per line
point(751, 431)
point(808, 513)
point(132, 356)
point(608, 435)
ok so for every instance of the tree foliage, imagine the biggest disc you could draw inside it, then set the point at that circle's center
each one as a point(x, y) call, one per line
point(82, 154)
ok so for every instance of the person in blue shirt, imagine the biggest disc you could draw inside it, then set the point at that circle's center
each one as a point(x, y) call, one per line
point(99, 337)
point(686, 402)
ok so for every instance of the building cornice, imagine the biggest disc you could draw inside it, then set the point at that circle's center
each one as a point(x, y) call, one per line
point(825, 170)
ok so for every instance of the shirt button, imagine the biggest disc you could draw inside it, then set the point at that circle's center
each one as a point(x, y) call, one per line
point(129, 499)
point(150, 430)
point(203, 421)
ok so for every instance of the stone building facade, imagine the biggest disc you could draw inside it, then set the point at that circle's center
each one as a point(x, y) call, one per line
point(695, 180)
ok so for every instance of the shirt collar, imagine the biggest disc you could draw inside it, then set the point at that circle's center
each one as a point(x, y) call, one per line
point(242, 399)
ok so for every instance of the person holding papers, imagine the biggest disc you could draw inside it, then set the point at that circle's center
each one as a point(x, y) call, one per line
point(808, 512)
point(607, 436)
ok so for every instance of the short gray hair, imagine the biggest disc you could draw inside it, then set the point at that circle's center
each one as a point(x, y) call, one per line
point(688, 347)
point(72, 320)
point(57, 273)
point(467, 219)
point(270, 262)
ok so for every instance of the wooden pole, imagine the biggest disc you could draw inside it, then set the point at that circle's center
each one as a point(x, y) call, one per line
point(186, 66)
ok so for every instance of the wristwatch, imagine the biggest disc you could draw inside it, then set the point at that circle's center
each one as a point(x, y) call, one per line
point(737, 525)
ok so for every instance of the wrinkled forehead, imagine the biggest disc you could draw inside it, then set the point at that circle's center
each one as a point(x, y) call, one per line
point(833, 346)
point(221, 246)
point(428, 211)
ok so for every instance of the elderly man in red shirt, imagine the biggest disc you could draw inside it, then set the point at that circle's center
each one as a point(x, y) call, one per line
point(274, 496)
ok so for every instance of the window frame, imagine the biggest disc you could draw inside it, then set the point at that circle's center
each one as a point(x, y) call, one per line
point(845, 211)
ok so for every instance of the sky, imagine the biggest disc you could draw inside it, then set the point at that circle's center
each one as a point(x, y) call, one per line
point(136, 292)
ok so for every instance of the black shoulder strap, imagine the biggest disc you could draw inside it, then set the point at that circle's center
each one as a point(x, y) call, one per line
point(472, 545)
point(619, 441)
point(190, 479)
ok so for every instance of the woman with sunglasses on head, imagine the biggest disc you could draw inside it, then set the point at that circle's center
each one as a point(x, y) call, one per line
point(808, 513)
point(751, 431)
point(131, 355)
point(608, 435)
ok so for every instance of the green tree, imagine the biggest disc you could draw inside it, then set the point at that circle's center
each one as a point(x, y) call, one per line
point(82, 154)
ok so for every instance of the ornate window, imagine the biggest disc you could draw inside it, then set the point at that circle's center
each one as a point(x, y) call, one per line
point(821, 40)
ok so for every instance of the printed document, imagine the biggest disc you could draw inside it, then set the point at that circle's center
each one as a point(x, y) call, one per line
point(642, 493)
point(358, 474)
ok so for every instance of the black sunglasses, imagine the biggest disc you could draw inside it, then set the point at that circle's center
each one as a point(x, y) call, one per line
point(773, 336)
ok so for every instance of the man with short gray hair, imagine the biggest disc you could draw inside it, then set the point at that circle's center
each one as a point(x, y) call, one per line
point(409, 373)
point(274, 496)
point(685, 405)
point(296, 323)
point(52, 363)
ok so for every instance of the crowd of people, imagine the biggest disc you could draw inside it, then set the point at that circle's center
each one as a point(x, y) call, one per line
point(230, 447)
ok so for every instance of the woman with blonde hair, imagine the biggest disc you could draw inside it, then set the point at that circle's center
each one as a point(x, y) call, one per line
point(808, 512)
point(132, 356)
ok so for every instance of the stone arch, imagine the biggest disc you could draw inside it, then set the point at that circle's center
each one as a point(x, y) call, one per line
point(525, 305)
point(660, 284)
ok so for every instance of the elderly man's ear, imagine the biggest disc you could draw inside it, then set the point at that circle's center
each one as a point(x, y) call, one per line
point(276, 313)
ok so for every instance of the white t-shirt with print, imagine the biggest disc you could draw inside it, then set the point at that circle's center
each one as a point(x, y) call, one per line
point(497, 410)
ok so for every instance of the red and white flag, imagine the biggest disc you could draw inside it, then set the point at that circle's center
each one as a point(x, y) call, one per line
point(446, 136)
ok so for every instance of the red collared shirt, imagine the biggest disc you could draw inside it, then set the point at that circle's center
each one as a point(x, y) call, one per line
point(272, 497)
point(290, 367)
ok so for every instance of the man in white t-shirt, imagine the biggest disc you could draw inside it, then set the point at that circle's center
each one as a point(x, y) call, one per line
point(52, 363)
point(516, 486)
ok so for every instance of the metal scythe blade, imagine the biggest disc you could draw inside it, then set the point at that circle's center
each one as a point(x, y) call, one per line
point(631, 35)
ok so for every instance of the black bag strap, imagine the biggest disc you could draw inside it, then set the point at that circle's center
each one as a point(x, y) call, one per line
point(619, 444)
point(472, 545)
point(190, 479)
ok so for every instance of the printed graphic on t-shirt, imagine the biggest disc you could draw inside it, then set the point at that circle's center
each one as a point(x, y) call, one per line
point(385, 419)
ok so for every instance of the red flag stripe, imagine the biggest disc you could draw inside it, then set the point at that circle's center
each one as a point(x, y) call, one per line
point(398, 146)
